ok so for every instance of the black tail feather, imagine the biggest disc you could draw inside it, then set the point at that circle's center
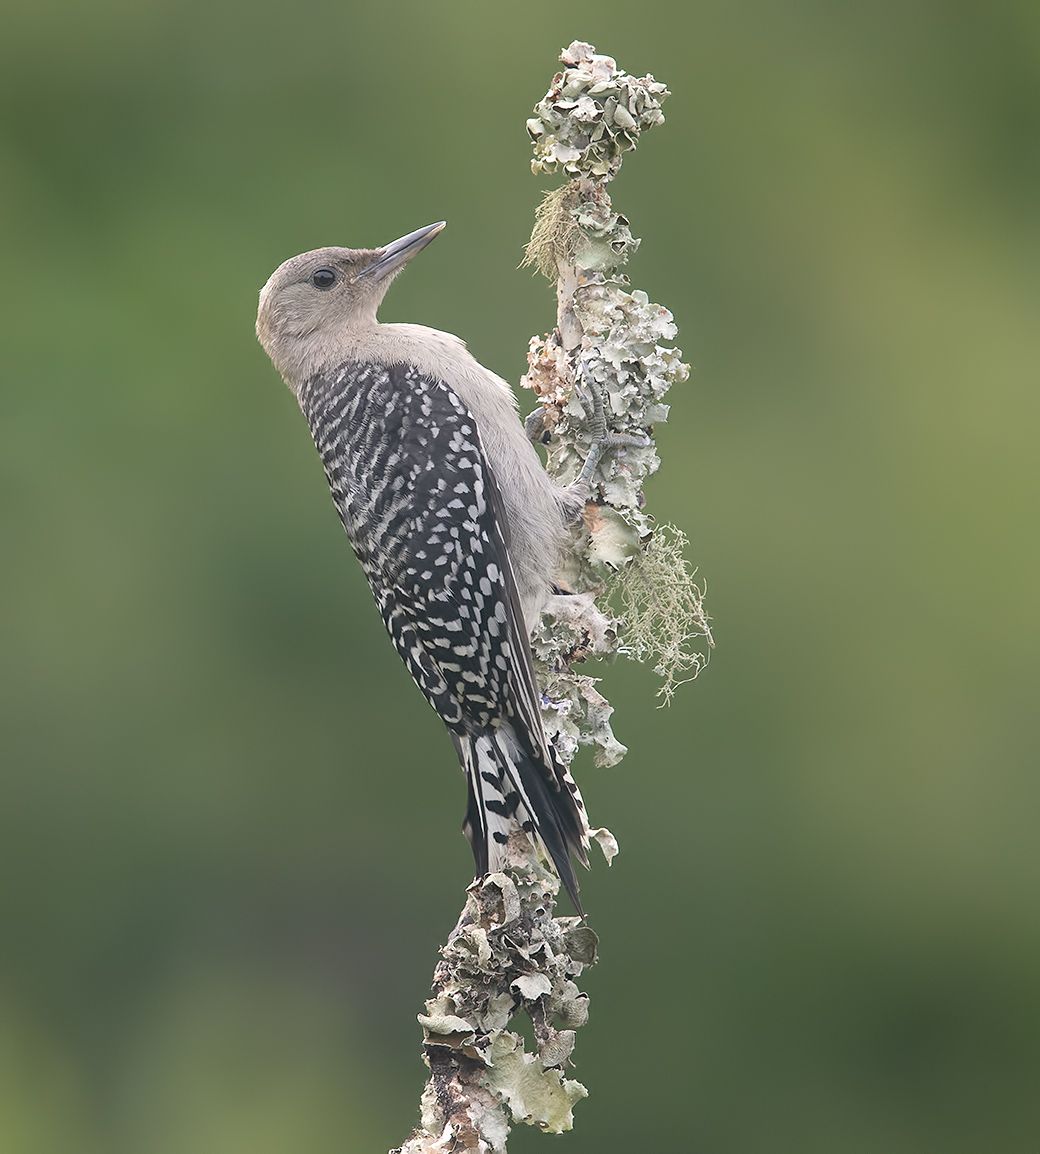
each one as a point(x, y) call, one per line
point(553, 821)
point(508, 786)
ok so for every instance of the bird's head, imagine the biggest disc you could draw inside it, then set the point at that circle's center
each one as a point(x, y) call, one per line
point(314, 302)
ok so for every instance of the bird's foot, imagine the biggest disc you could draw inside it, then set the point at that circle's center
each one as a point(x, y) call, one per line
point(601, 444)
point(602, 439)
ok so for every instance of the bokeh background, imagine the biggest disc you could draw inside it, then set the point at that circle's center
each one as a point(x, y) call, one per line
point(229, 837)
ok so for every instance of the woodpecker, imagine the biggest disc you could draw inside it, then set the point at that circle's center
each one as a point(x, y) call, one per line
point(456, 524)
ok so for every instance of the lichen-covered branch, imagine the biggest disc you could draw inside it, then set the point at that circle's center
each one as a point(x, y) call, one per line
point(600, 378)
point(606, 367)
point(507, 955)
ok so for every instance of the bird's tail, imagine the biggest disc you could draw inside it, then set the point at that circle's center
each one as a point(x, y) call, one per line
point(510, 787)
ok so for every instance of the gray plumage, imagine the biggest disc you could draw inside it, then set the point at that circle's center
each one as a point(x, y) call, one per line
point(456, 524)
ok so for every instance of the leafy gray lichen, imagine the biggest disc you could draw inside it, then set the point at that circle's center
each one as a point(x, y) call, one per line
point(507, 955)
point(574, 712)
point(592, 115)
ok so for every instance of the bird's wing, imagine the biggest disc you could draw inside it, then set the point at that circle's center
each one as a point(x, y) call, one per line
point(418, 498)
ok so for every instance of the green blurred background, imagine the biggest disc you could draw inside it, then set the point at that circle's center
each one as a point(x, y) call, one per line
point(229, 828)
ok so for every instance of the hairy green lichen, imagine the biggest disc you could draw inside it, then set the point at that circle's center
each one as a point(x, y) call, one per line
point(661, 613)
point(555, 235)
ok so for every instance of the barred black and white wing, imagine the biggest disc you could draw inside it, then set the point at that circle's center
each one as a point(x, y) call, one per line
point(418, 499)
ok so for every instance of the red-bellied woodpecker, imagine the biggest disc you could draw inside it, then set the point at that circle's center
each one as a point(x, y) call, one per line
point(456, 524)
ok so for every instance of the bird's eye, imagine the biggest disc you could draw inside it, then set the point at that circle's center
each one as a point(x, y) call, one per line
point(324, 278)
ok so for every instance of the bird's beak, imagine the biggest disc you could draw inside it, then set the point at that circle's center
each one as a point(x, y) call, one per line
point(399, 252)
